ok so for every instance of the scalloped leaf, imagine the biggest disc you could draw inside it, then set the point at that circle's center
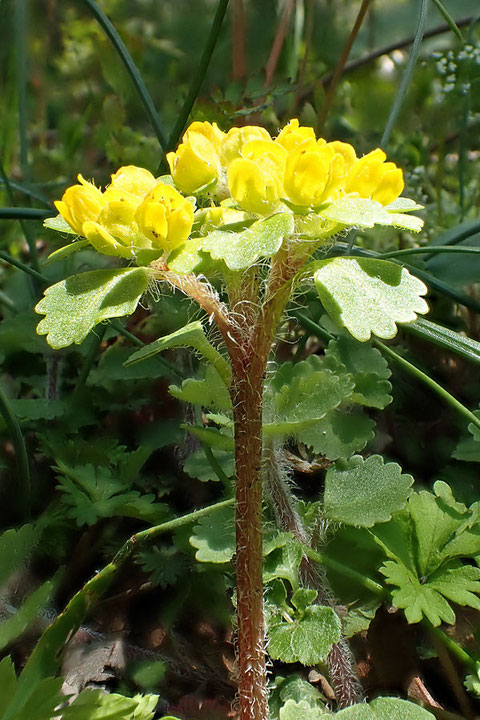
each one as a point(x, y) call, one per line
point(66, 251)
point(365, 492)
point(214, 536)
point(365, 213)
point(308, 635)
point(74, 306)
point(301, 711)
point(367, 295)
point(385, 709)
point(339, 434)
point(240, 250)
point(197, 465)
point(300, 394)
point(368, 367)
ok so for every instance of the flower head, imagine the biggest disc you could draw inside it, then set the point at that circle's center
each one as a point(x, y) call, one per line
point(165, 217)
point(255, 180)
point(79, 204)
point(196, 164)
point(372, 177)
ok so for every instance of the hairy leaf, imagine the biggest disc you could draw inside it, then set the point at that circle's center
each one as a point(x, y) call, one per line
point(308, 635)
point(209, 391)
point(240, 250)
point(385, 709)
point(214, 537)
point(301, 711)
point(365, 213)
point(74, 306)
point(364, 492)
point(368, 296)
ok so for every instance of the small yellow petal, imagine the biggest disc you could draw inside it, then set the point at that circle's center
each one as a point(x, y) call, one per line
point(390, 186)
point(134, 180)
point(79, 204)
point(294, 135)
point(236, 138)
point(195, 165)
point(103, 241)
point(247, 185)
point(307, 174)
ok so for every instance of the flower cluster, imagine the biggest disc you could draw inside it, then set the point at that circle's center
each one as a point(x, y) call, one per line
point(242, 173)
point(136, 212)
point(259, 172)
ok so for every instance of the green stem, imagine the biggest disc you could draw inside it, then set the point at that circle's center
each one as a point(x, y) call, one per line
point(431, 251)
point(347, 572)
point(407, 75)
point(131, 69)
point(23, 213)
point(21, 266)
point(46, 656)
point(18, 441)
point(454, 648)
point(26, 190)
point(432, 384)
point(199, 75)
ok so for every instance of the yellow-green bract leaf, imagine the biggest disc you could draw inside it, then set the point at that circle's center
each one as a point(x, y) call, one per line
point(59, 224)
point(301, 711)
point(365, 213)
point(66, 251)
point(365, 492)
point(368, 296)
point(74, 306)
point(242, 249)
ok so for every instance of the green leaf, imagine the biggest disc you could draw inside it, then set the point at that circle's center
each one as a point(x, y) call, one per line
point(300, 394)
point(38, 408)
point(367, 295)
point(40, 705)
point(308, 636)
point(16, 547)
point(212, 437)
point(59, 224)
point(364, 492)
point(284, 562)
point(112, 368)
point(197, 465)
point(240, 250)
point(385, 709)
point(74, 306)
point(209, 392)
point(301, 711)
point(97, 705)
point(66, 251)
point(365, 213)
point(15, 626)
point(214, 537)
point(448, 339)
point(368, 368)
point(191, 335)
point(295, 689)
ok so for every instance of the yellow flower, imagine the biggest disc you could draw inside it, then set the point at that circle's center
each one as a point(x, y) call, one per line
point(79, 204)
point(372, 177)
point(165, 217)
point(196, 164)
point(115, 231)
point(210, 131)
point(294, 135)
point(314, 173)
point(130, 182)
point(256, 179)
point(237, 138)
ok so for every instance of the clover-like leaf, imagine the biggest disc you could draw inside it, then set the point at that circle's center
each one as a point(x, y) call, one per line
point(240, 250)
point(210, 391)
point(364, 492)
point(74, 306)
point(59, 224)
point(367, 295)
point(284, 562)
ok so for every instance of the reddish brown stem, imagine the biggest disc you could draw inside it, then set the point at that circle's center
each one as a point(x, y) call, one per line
point(246, 391)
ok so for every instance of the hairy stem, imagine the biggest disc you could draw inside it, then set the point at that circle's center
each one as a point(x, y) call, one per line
point(344, 681)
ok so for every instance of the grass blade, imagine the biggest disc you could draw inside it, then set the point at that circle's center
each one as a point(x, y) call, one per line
point(117, 42)
point(448, 339)
point(448, 19)
point(23, 213)
point(200, 74)
point(407, 75)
